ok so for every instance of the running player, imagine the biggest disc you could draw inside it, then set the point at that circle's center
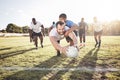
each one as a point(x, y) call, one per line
point(36, 30)
point(98, 29)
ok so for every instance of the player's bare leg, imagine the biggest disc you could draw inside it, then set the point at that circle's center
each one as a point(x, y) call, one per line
point(35, 42)
point(99, 43)
point(95, 37)
point(41, 41)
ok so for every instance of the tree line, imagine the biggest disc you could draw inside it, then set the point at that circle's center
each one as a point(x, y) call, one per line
point(12, 28)
point(111, 28)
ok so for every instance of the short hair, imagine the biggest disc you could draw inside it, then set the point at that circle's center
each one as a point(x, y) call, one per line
point(82, 18)
point(63, 15)
point(53, 22)
point(33, 18)
point(60, 23)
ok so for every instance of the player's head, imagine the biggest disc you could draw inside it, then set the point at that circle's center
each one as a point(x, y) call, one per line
point(53, 22)
point(82, 19)
point(60, 26)
point(62, 17)
point(34, 20)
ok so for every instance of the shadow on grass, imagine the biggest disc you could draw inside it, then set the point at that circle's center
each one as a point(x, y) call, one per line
point(89, 61)
point(5, 48)
point(8, 48)
point(36, 74)
point(58, 74)
point(13, 53)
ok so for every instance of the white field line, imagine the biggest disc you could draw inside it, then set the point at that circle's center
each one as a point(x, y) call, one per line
point(13, 34)
point(61, 69)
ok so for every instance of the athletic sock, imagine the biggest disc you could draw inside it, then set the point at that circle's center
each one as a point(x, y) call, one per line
point(99, 44)
point(96, 42)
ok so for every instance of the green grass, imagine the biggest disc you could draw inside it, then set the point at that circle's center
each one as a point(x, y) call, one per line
point(18, 52)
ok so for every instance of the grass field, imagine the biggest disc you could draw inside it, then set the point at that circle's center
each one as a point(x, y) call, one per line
point(19, 60)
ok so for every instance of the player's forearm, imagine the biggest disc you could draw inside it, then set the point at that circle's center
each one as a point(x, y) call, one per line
point(73, 28)
point(73, 37)
point(43, 29)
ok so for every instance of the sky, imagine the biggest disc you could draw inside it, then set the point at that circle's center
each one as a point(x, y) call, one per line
point(20, 12)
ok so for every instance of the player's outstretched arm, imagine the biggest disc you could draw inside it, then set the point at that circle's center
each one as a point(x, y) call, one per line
point(56, 45)
point(74, 38)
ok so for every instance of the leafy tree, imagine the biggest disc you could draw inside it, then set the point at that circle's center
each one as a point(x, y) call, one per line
point(3, 31)
point(25, 29)
point(12, 28)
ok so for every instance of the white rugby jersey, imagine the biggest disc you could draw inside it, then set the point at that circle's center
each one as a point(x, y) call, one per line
point(54, 33)
point(98, 27)
point(36, 28)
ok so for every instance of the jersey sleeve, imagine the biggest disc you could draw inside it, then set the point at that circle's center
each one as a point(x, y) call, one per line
point(69, 23)
point(52, 32)
point(39, 23)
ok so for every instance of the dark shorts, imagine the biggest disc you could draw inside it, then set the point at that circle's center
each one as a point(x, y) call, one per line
point(68, 39)
point(36, 34)
point(98, 33)
point(81, 33)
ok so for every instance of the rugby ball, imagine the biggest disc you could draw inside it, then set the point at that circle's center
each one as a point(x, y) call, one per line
point(72, 51)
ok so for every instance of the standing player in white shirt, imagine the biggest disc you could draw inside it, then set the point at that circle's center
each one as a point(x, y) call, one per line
point(58, 33)
point(36, 30)
point(98, 29)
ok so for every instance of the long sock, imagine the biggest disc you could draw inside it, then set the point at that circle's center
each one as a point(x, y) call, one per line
point(41, 41)
point(99, 43)
point(80, 39)
point(96, 41)
point(84, 38)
